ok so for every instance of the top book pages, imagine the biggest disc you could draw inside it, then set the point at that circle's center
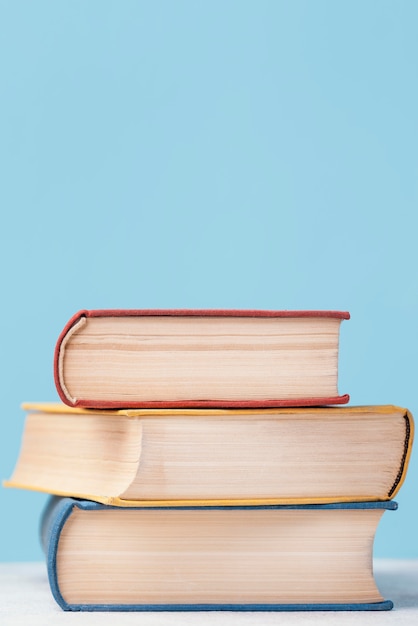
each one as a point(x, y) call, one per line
point(199, 358)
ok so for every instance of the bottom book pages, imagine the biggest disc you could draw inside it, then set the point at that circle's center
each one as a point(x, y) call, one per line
point(212, 558)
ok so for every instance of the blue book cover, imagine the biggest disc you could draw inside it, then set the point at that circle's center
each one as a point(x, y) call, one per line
point(212, 558)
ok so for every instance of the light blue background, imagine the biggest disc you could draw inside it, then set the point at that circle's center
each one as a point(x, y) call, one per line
point(208, 154)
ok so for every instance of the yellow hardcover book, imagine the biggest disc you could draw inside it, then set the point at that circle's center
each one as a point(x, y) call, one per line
point(170, 457)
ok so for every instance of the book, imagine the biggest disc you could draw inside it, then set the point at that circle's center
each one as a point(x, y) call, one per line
point(199, 358)
point(172, 456)
point(269, 558)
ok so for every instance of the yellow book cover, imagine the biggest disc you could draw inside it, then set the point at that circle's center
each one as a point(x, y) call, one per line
point(174, 457)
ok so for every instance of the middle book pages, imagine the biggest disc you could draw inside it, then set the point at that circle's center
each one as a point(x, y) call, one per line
point(305, 455)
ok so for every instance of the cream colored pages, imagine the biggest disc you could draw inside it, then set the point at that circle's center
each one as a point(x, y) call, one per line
point(93, 456)
point(218, 556)
point(307, 456)
point(179, 358)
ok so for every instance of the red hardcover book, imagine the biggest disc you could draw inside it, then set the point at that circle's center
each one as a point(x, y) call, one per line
point(199, 358)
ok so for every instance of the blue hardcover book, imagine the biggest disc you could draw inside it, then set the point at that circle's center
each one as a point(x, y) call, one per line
point(212, 558)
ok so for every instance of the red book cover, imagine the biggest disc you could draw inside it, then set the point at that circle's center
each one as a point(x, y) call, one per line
point(81, 319)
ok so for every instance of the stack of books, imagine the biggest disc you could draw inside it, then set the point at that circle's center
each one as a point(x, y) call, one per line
point(203, 460)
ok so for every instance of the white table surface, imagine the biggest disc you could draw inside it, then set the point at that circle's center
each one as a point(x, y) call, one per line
point(25, 598)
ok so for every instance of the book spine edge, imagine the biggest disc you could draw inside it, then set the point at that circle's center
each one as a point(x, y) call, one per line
point(384, 605)
point(213, 404)
point(342, 315)
point(59, 351)
point(53, 523)
point(409, 438)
